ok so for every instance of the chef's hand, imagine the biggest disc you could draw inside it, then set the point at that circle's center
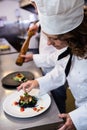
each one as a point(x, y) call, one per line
point(28, 86)
point(33, 27)
point(68, 125)
point(28, 57)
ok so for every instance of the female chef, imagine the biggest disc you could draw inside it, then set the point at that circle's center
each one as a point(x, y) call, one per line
point(44, 48)
point(66, 29)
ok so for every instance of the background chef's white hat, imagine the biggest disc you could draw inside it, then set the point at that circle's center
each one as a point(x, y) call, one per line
point(60, 16)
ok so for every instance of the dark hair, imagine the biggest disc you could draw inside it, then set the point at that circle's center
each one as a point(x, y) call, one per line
point(77, 38)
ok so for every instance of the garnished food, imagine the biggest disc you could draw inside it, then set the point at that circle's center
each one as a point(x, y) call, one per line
point(27, 100)
point(20, 77)
point(38, 109)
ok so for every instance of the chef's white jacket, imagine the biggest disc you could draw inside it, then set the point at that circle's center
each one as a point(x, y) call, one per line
point(77, 80)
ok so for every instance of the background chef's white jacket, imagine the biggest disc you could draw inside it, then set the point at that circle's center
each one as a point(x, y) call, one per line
point(44, 48)
point(77, 80)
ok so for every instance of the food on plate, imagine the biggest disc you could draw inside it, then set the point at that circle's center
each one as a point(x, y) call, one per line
point(4, 47)
point(38, 109)
point(20, 77)
point(27, 100)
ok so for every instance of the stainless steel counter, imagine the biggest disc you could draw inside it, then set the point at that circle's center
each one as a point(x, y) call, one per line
point(48, 120)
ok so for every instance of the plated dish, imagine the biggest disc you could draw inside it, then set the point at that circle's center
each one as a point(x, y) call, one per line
point(14, 79)
point(13, 109)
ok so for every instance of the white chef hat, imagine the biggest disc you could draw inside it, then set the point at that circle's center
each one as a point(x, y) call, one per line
point(60, 16)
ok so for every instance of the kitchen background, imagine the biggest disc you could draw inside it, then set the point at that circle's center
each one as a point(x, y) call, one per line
point(15, 19)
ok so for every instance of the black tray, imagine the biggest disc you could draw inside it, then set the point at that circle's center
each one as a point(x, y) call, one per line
point(10, 83)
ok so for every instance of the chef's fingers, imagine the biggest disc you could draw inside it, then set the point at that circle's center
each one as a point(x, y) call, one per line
point(28, 57)
point(34, 28)
point(28, 86)
point(23, 86)
point(63, 128)
point(64, 117)
point(19, 87)
point(68, 122)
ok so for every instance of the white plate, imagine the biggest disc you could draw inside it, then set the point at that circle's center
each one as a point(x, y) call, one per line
point(14, 110)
